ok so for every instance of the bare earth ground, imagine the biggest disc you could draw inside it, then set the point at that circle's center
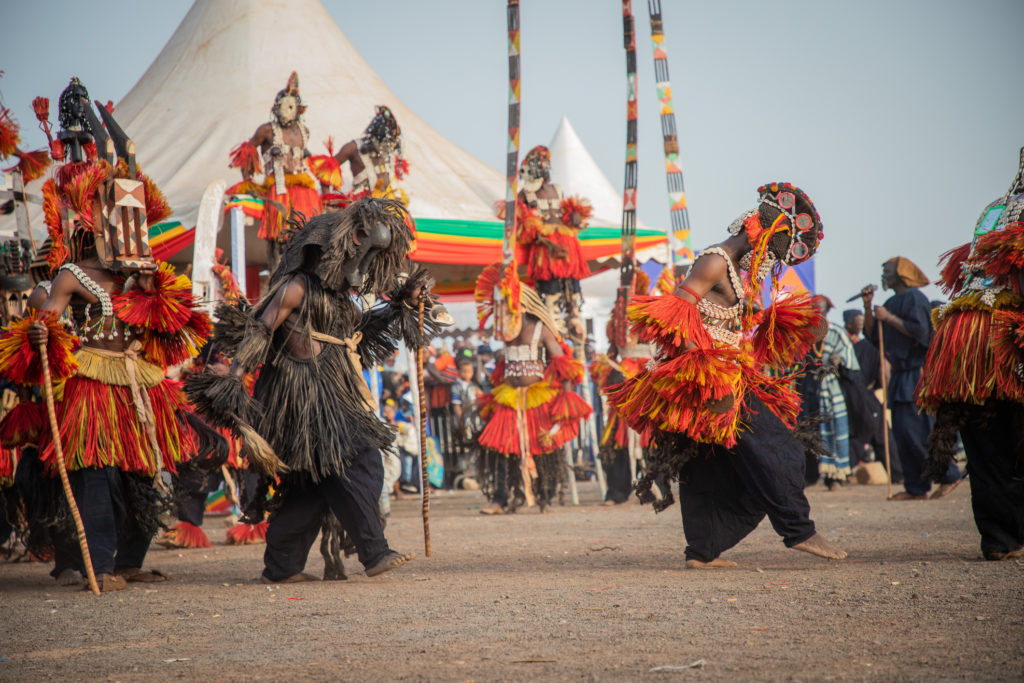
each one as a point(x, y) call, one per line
point(585, 593)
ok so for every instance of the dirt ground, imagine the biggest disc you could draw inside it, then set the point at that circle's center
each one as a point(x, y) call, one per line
point(584, 593)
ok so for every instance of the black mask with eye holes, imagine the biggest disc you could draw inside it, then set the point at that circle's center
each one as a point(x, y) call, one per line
point(375, 240)
point(74, 120)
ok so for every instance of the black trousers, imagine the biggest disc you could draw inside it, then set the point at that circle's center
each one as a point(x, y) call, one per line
point(725, 493)
point(995, 460)
point(910, 429)
point(192, 490)
point(617, 477)
point(352, 496)
point(114, 540)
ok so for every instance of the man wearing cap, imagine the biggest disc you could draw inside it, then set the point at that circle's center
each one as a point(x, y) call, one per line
point(907, 331)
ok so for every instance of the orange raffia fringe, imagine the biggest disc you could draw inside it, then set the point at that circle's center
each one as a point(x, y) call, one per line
point(9, 137)
point(79, 190)
point(564, 368)
point(32, 165)
point(669, 321)
point(951, 277)
point(1008, 340)
point(99, 425)
point(19, 359)
point(1002, 250)
point(246, 157)
point(174, 348)
point(576, 211)
point(672, 395)
point(187, 535)
point(22, 425)
point(506, 282)
point(787, 330)
point(245, 534)
point(502, 430)
point(962, 365)
point(326, 169)
point(166, 309)
point(58, 254)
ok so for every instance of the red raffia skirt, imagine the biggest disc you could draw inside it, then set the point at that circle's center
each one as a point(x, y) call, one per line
point(119, 412)
point(537, 419)
point(300, 195)
point(541, 265)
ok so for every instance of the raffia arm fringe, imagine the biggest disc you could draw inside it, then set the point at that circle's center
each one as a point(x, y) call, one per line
point(261, 456)
point(230, 328)
point(254, 347)
point(221, 399)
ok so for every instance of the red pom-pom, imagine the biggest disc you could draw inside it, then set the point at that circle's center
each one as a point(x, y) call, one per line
point(184, 535)
point(952, 273)
point(576, 211)
point(326, 169)
point(22, 425)
point(244, 534)
point(167, 308)
point(31, 164)
point(20, 360)
point(9, 137)
point(246, 157)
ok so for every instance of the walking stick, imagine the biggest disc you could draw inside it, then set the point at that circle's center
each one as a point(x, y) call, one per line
point(425, 485)
point(65, 482)
point(885, 406)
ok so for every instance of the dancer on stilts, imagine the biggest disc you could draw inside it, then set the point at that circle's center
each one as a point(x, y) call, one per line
point(973, 379)
point(719, 423)
point(375, 161)
point(547, 227)
point(278, 150)
point(532, 411)
point(309, 340)
point(121, 423)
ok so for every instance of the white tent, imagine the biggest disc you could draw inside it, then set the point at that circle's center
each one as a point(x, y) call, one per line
point(214, 83)
point(573, 167)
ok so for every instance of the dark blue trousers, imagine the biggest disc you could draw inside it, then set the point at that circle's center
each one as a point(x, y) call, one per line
point(725, 493)
point(114, 541)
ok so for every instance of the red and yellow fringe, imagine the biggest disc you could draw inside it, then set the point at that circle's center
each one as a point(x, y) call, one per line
point(20, 360)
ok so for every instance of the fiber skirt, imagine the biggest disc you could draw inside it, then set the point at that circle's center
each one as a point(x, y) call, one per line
point(102, 419)
point(538, 418)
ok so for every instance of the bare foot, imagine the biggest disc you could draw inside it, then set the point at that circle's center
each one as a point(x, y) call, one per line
point(390, 561)
point(817, 545)
point(69, 577)
point(717, 563)
point(493, 509)
point(907, 495)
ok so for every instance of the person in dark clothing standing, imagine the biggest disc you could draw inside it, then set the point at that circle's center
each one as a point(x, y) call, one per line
point(907, 331)
point(868, 444)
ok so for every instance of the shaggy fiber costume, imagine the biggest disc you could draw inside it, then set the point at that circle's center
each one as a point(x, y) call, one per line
point(315, 413)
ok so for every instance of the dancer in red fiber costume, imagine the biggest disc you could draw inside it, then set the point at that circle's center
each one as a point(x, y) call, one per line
point(718, 421)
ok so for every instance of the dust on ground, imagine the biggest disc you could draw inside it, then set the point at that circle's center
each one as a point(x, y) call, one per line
point(583, 593)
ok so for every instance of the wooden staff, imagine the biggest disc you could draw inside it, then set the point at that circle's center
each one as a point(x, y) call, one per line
point(425, 485)
point(55, 431)
point(885, 405)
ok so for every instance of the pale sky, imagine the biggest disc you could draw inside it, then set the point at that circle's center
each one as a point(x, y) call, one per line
point(900, 118)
